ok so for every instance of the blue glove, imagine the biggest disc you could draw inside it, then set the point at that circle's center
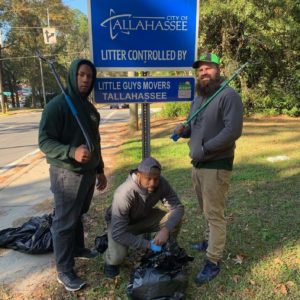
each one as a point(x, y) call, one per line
point(175, 137)
point(154, 248)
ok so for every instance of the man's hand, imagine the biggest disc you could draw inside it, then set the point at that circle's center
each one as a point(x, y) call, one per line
point(162, 236)
point(101, 182)
point(154, 247)
point(179, 129)
point(82, 154)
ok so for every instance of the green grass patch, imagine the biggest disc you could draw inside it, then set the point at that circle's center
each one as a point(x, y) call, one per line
point(262, 255)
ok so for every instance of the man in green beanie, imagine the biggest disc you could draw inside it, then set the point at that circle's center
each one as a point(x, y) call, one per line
point(75, 169)
point(212, 143)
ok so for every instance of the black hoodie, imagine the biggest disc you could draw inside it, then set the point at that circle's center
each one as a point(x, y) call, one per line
point(60, 134)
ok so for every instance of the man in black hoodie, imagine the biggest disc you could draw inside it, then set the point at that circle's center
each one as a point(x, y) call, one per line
point(212, 134)
point(75, 170)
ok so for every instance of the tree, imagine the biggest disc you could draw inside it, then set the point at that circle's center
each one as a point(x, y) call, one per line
point(23, 21)
point(263, 31)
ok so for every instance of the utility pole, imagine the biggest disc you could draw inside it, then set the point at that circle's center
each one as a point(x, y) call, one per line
point(41, 66)
point(42, 78)
point(1, 86)
point(48, 19)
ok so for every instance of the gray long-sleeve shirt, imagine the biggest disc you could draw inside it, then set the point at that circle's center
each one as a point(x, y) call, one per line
point(217, 127)
point(131, 204)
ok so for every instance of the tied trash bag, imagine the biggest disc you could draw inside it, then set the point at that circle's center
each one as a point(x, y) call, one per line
point(33, 237)
point(161, 275)
point(101, 243)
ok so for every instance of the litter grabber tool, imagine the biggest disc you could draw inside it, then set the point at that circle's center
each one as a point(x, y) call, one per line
point(69, 101)
point(175, 137)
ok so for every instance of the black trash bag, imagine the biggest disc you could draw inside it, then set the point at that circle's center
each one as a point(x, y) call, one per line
point(161, 275)
point(33, 237)
point(101, 243)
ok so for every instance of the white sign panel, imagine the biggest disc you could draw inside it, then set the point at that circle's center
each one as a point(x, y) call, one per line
point(49, 35)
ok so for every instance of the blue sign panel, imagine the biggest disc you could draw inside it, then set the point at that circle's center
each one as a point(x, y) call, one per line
point(144, 90)
point(143, 34)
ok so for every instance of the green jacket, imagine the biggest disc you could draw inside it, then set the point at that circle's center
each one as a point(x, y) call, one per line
point(59, 132)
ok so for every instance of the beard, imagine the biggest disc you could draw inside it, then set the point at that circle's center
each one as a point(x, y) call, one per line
point(207, 87)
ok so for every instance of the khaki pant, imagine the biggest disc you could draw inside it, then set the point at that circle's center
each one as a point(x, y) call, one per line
point(211, 186)
point(116, 252)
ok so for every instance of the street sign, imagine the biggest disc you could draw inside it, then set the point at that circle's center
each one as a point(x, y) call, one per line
point(144, 89)
point(142, 34)
point(49, 35)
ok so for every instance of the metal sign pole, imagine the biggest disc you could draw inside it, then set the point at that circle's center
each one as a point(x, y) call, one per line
point(146, 130)
point(145, 126)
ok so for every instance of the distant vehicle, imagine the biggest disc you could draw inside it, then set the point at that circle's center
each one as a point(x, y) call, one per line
point(114, 106)
point(124, 105)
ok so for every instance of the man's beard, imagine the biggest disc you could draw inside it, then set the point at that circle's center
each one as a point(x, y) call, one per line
point(207, 88)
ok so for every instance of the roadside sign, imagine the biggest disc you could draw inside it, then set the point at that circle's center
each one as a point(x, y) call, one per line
point(49, 35)
point(142, 34)
point(144, 90)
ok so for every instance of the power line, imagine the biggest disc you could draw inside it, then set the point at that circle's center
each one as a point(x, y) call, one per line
point(34, 56)
point(41, 27)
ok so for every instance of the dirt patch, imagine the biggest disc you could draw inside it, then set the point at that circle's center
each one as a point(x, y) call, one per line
point(112, 137)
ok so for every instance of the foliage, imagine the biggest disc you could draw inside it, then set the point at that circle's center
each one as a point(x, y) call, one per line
point(22, 22)
point(293, 112)
point(175, 109)
point(265, 32)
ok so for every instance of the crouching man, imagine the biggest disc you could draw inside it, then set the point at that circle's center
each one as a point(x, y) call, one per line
point(133, 213)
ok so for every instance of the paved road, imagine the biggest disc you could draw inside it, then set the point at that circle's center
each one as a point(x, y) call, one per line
point(19, 134)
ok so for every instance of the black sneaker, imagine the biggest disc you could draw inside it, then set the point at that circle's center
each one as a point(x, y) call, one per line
point(86, 253)
point(111, 271)
point(209, 272)
point(70, 281)
point(202, 246)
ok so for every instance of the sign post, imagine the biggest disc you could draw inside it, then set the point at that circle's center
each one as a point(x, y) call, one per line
point(146, 140)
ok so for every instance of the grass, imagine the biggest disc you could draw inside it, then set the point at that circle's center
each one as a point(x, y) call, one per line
point(262, 255)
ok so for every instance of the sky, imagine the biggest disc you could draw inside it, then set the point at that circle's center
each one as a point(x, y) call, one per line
point(78, 4)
